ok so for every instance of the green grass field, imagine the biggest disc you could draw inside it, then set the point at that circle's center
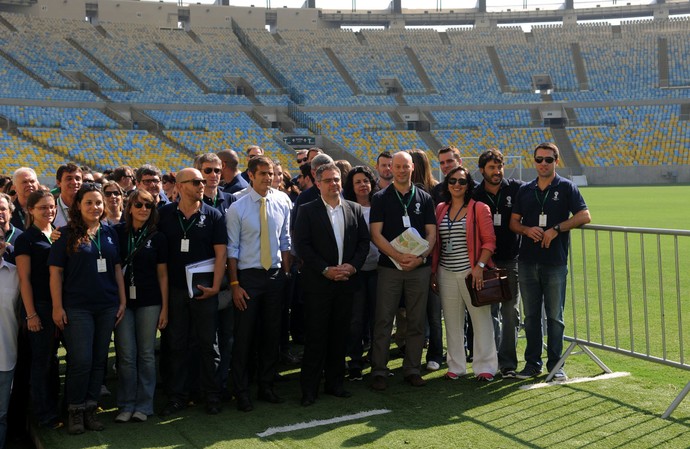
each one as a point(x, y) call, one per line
point(615, 413)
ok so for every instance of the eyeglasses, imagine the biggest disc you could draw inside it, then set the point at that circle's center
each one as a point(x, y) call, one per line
point(112, 193)
point(547, 159)
point(139, 205)
point(195, 182)
point(150, 181)
point(330, 181)
point(304, 159)
point(209, 170)
point(461, 181)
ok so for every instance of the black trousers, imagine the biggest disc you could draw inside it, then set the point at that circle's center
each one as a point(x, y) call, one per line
point(264, 306)
point(327, 324)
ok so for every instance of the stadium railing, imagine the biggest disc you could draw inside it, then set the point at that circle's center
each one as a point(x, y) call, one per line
point(630, 289)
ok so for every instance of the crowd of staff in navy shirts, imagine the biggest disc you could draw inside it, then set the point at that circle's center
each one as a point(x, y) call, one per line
point(300, 270)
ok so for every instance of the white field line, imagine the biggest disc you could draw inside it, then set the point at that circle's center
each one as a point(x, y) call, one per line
point(320, 422)
point(575, 380)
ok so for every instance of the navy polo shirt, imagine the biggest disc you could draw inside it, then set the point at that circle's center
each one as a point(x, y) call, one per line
point(19, 218)
point(35, 244)
point(221, 202)
point(143, 266)
point(83, 286)
point(206, 228)
point(507, 242)
point(11, 238)
point(386, 208)
point(238, 183)
point(561, 199)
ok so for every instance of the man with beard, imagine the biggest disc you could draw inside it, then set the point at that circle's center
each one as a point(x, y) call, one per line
point(383, 167)
point(500, 193)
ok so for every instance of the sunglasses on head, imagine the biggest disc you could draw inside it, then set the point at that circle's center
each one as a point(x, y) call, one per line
point(547, 159)
point(209, 170)
point(195, 182)
point(139, 205)
point(461, 181)
point(112, 193)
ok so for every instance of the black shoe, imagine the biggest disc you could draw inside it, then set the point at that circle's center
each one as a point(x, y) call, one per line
point(280, 378)
point(244, 404)
point(269, 396)
point(379, 383)
point(172, 408)
point(339, 393)
point(307, 400)
point(213, 407)
point(415, 380)
point(355, 374)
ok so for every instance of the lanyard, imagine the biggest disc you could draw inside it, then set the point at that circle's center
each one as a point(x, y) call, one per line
point(184, 230)
point(97, 241)
point(400, 198)
point(42, 233)
point(546, 196)
point(134, 243)
point(452, 222)
point(7, 239)
point(498, 200)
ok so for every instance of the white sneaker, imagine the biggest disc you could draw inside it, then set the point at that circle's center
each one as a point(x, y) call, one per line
point(139, 417)
point(123, 417)
point(433, 366)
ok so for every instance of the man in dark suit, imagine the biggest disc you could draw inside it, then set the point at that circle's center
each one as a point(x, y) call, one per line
point(333, 242)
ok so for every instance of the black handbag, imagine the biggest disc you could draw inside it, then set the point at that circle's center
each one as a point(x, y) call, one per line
point(496, 288)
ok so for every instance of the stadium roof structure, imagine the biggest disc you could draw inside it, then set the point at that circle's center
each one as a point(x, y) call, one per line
point(463, 17)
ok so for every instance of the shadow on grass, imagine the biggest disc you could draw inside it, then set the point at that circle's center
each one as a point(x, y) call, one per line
point(462, 413)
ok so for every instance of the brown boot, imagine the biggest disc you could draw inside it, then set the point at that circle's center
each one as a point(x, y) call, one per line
point(90, 420)
point(75, 420)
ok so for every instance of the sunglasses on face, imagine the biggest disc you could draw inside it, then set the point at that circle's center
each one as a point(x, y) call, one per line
point(195, 182)
point(139, 205)
point(547, 159)
point(461, 181)
point(304, 159)
point(112, 193)
point(209, 170)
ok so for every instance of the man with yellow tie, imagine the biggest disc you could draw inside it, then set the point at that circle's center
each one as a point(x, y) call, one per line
point(258, 265)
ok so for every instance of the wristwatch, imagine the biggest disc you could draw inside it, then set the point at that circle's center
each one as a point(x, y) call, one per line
point(557, 228)
point(481, 264)
point(325, 270)
point(423, 258)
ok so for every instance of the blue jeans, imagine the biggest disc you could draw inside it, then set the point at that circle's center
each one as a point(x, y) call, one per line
point(506, 318)
point(5, 390)
point(45, 383)
point(543, 285)
point(135, 339)
point(87, 340)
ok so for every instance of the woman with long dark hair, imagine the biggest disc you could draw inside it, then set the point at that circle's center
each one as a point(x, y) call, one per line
point(144, 254)
point(88, 293)
point(465, 242)
point(31, 251)
point(360, 186)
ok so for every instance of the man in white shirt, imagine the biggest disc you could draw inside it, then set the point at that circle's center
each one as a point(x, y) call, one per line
point(69, 181)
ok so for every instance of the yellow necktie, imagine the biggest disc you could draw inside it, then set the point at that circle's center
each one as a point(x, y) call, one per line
point(265, 243)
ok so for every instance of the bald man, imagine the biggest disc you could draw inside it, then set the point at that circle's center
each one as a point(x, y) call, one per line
point(400, 206)
point(195, 232)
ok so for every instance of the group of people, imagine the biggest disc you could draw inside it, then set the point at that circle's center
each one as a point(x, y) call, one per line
point(310, 257)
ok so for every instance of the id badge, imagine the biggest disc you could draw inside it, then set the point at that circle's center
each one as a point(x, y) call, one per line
point(406, 221)
point(542, 220)
point(449, 246)
point(184, 245)
point(132, 292)
point(497, 219)
point(102, 266)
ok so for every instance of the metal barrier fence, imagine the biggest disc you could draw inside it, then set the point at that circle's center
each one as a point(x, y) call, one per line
point(630, 288)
